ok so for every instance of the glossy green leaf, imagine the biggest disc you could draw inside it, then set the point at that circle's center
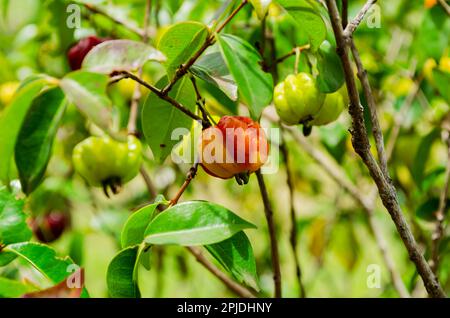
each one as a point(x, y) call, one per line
point(88, 92)
point(308, 18)
point(120, 55)
point(134, 229)
point(255, 86)
point(44, 259)
point(35, 140)
point(442, 82)
point(180, 42)
point(236, 256)
point(194, 223)
point(12, 117)
point(12, 288)
point(13, 225)
point(212, 68)
point(121, 277)
point(331, 74)
point(160, 118)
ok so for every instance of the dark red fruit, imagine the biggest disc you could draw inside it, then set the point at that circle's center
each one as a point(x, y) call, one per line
point(50, 226)
point(77, 52)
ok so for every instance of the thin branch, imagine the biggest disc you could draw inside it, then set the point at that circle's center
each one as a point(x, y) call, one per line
point(232, 285)
point(293, 234)
point(272, 235)
point(167, 98)
point(361, 145)
point(182, 70)
point(201, 103)
point(445, 5)
point(148, 183)
point(336, 173)
point(190, 176)
point(351, 27)
point(440, 213)
point(288, 55)
point(344, 13)
point(376, 129)
point(125, 24)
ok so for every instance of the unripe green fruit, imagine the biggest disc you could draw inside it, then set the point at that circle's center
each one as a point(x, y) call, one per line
point(107, 163)
point(332, 107)
point(297, 99)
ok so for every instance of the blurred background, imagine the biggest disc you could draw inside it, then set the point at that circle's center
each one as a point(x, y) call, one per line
point(407, 58)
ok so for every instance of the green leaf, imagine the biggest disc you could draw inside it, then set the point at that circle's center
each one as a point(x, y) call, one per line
point(194, 223)
point(12, 117)
point(255, 86)
point(44, 259)
point(432, 35)
point(120, 55)
point(35, 140)
point(59, 23)
point(212, 69)
point(13, 225)
point(6, 258)
point(173, 5)
point(76, 247)
point(236, 256)
point(261, 7)
point(422, 155)
point(88, 92)
point(12, 289)
point(160, 118)
point(331, 74)
point(121, 277)
point(442, 82)
point(426, 211)
point(307, 16)
point(134, 228)
point(180, 42)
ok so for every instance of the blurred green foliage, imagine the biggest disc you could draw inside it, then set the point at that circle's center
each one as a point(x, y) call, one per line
point(335, 243)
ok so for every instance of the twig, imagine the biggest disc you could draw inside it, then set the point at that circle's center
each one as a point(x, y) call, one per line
point(97, 10)
point(376, 129)
point(167, 98)
point(293, 234)
point(440, 213)
point(361, 145)
point(190, 176)
point(344, 13)
point(232, 285)
point(148, 183)
point(272, 235)
point(207, 118)
point(181, 71)
point(351, 27)
point(288, 55)
point(336, 173)
point(445, 5)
